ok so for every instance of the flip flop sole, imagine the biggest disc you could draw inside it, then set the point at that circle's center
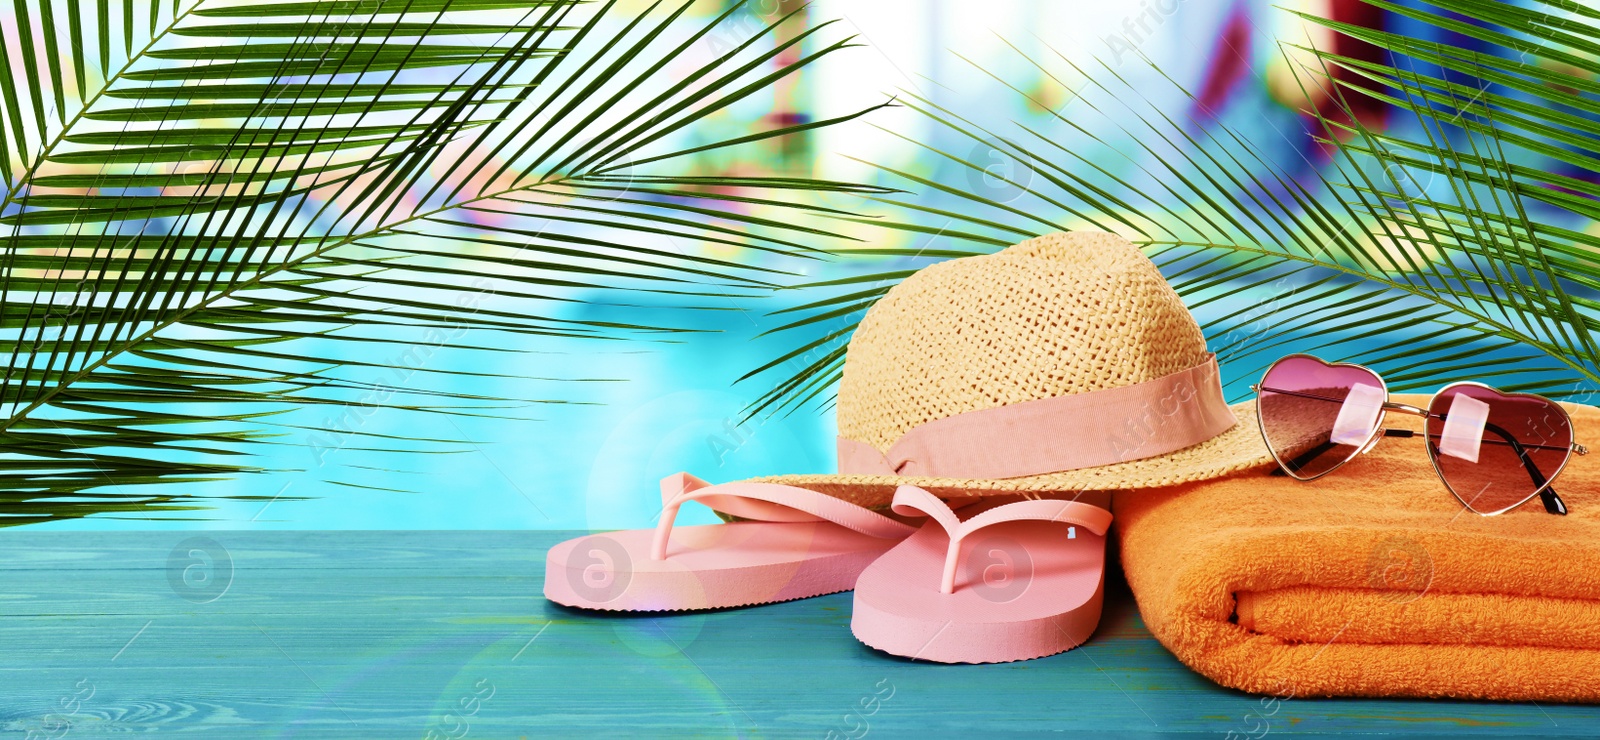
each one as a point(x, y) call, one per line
point(1024, 591)
point(709, 566)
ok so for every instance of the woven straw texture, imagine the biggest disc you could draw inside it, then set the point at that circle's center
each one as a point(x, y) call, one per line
point(1056, 315)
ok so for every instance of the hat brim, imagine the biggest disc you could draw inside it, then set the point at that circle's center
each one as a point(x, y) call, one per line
point(1238, 449)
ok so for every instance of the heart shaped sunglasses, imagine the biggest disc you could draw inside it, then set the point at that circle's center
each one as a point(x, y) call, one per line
point(1493, 450)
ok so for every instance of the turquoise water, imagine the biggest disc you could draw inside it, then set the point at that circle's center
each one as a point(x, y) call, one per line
point(558, 466)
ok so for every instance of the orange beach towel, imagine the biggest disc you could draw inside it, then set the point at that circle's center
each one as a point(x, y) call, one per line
point(1374, 580)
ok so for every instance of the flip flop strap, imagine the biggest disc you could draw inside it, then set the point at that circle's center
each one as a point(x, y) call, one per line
point(767, 502)
point(1075, 513)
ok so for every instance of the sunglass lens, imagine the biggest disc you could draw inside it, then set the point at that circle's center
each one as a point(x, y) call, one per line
point(1496, 451)
point(1316, 416)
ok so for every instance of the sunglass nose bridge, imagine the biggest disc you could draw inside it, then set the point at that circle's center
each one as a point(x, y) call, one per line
point(1404, 408)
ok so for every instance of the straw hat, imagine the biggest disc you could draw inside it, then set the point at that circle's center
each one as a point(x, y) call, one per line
point(1064, 363)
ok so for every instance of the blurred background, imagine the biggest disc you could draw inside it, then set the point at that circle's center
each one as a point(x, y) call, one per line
point(590, 458)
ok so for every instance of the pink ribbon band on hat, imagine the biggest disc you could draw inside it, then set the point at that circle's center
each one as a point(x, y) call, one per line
point(1052, 435)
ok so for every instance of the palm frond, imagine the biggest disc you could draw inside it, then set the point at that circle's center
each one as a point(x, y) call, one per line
point(211, 209)
point(1448, 246)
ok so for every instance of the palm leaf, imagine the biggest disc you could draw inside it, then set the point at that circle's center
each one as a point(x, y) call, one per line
point(1450, 246)
point(214, 207)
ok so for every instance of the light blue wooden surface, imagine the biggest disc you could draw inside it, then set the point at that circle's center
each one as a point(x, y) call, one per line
point(399, 634)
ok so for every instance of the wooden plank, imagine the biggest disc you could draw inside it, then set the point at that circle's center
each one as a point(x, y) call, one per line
point(399, 634)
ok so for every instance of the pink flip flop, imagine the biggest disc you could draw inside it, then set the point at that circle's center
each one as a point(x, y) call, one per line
point(797, 543)
point(1014, 581)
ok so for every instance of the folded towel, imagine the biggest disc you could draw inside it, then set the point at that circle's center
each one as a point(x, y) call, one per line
point(1374, 580)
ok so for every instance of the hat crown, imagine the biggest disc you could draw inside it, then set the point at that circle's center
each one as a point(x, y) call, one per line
point(1056, 315)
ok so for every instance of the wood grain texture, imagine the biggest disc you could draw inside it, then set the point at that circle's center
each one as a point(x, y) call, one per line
point(403, 634)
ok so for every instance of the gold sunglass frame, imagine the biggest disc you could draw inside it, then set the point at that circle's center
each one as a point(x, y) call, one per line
point(1379, 432)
